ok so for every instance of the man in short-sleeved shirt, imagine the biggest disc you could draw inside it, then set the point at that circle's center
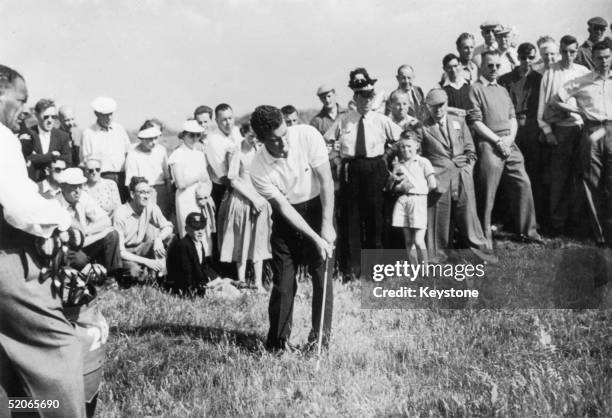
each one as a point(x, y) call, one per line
point(494, 121)
point(593, 95)
point(292, 171)
point(363, 135)
point(144, 231)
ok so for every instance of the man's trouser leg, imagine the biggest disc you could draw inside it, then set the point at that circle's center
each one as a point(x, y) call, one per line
point(438, 225)
point(106, 251)
point(353, 212)
point(596, 162)
point(465, 217)
point(374, 176)
point(489, 169)
point(563, 163)
point(516, 181)
point(39, 343)
point(531, 149)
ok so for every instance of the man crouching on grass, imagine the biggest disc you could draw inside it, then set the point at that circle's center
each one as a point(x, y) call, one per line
point(292, 171)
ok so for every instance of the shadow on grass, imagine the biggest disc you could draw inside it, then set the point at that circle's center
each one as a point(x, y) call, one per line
point(251, 343)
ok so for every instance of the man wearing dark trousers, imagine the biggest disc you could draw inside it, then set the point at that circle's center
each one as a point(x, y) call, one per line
point(362, 135)
point(40, 354)
point(292, 171)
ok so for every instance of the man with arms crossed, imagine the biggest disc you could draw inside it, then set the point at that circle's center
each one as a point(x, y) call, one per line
point(292, 171)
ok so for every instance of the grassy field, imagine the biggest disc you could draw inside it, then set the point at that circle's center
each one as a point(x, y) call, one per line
point(174, 357)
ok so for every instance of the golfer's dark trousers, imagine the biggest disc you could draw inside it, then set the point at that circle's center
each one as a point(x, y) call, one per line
point(361, 184)
point(289, 249)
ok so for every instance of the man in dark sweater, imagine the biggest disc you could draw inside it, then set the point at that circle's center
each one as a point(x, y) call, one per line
point(523, 85)
point(454, 84)
point(494, 121)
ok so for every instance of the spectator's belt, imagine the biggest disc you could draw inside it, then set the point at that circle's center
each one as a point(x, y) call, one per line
point(346, 162)
point(606, 122)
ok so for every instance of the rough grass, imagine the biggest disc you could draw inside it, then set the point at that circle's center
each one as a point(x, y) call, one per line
point(174, 357)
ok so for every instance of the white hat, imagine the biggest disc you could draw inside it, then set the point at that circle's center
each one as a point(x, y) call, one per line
point(192, 126)
point(149, 133)
point(72, 175)
point(104, 105)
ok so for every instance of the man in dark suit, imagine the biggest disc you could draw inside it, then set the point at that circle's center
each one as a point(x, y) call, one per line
point(447, 143)
point(188, 271)
point(48, 142)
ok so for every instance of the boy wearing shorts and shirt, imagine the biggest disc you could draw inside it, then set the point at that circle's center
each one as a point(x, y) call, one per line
point(412, 177)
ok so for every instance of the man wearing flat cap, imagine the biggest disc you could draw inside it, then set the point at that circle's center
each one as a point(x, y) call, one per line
point(507, 54)
point(109, 141)
point(597, 29)
point(487, 30)
point(447, 143)
point(363, 136)
point(330, 110)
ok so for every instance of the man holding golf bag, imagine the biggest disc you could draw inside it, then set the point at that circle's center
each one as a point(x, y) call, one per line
point(292, 171)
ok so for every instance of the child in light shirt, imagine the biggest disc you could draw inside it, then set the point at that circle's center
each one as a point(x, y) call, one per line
point(413, 178)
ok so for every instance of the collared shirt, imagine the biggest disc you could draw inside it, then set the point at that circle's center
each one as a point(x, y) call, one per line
point(152, 165)
point(110, 146)
point(553, 80)
point(593, 94)
point(133, 227)
point(85, 211)
point(24, 208)
point(468, 73)
point(75, 133)
point(323, 121)
point(106, 193)
point(493, 104)
point(292, 177)
point(416, 171)
point(216, 148)
point(45, 140)
point(48, 191)
point(524, 91)
point(378, 129)
point(585, 54)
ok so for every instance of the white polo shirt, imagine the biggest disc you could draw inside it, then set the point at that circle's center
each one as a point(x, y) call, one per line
point(378, 129)
point(151, 165)
point(293, 176)
point(217, 146)
point(110, 146)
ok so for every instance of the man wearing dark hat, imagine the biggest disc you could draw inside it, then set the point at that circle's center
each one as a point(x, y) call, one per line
point(494, 121)
point(292, 172)
point(597, 30)
point(447, 143)
point(40, 354)
point(188, 271)
point(363, 136)
point(593, 100)
point(487, 30)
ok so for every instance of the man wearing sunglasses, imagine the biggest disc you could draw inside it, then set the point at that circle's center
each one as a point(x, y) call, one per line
point(597, 29)
point(363, 136)
point(48, 142)
point(523, 85)
point(499, 159)
point(561, 131)
point(49, 187)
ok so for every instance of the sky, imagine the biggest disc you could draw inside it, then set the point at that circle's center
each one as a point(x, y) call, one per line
point(163, 58)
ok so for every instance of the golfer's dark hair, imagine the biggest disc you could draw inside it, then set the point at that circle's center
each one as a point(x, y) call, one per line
point(222, 108)
point(7, 78)
point(203, 109)
point(265, 119)
point(448, 58)
point(288, 110)
point(601, 45)
point(42, 105)
point(464, 36)
point(525, 48)
point(135, 181)
point(568, 40)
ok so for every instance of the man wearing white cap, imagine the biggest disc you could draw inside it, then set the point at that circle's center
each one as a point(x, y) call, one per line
point(507, 54)
point(109, 141)
point(330, 110)
point(150, 160)
point(487, 30)
point(101, 242)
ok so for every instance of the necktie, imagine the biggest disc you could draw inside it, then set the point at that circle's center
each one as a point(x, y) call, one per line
point(442, 127)
point(360, 146)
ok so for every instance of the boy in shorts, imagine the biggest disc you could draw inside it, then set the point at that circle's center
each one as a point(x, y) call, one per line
point(413, 178)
